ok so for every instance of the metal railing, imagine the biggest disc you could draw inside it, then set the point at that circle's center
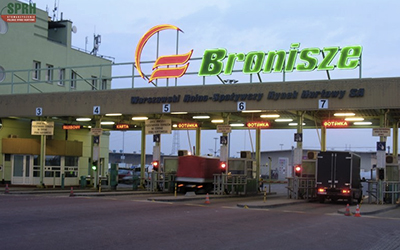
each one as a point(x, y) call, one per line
point(160, 182)
point(121, 75)
point(383, 192)
point(301, 188)
point(230, 184)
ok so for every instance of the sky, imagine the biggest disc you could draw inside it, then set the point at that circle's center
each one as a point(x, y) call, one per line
point(242, 26)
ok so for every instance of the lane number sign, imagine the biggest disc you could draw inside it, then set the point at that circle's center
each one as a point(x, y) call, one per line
point(241, 106)
point(96, 110)
point(323, 104)
point(39, 111)
point(166, 108)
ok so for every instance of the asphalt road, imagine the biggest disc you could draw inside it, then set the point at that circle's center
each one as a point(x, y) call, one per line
point(58, 221)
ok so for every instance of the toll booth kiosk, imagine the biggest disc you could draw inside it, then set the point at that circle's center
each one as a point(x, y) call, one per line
point(385, 188)
point(170, 167)
point(240, 178)
point(301, 185)
point(391, 181)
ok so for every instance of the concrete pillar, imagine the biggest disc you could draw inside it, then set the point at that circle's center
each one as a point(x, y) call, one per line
point(198, 140)
point(323, 138)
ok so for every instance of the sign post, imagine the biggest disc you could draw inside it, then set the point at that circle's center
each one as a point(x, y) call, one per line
point(43, 129)
point(158, 126)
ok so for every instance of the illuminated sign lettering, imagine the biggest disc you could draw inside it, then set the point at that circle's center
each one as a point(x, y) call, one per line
point(335, 124)
point(71, 127)
point(278, 61)
point(187, 125)
point(122, 126)
point(257, 124)
point(217, 61)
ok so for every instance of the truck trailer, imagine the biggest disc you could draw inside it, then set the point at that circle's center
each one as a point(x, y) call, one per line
point(338, 177)
point(196, 173)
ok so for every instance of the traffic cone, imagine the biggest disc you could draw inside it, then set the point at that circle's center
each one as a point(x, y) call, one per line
point(347, 213)
point(72, 192)
point(207, 199)
point(6, 191)
point(357, 211)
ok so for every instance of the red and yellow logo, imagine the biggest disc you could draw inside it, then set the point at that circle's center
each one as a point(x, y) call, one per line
point(171, 60)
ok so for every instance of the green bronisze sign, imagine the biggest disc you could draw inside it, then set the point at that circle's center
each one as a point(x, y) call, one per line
point(276, 61)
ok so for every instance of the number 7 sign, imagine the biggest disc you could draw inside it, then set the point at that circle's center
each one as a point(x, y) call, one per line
point(323, 104)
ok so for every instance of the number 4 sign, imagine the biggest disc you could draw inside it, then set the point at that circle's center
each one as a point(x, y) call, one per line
point(96, 110)
point(323, 104)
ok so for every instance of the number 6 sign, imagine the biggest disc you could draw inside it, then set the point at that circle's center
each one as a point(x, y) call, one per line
point(241, 106)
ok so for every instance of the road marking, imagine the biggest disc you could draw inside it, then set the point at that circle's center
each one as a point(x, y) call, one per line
point(377, 217)
point(297, 212)
point(195, 205)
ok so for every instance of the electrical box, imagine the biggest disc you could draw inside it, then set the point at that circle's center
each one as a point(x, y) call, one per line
point(392, 172)
point(182, 152)
point(245, 154)
point(312, 155)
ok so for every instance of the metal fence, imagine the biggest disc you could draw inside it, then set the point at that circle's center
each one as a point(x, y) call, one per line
point(383, 192)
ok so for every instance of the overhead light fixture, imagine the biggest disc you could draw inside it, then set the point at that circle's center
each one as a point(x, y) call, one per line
point(284, 120)
point(344, 114)
point(237, 125)
point(179, 113)
point(201, 117)
point(107, 123)
point(114, 114)
point(270, 116)
point(174, 125)
point(139, 118)
point(83, 119)
point(362, 123)
point(295, 124)
point(217, 121)
point(354, 119)
point(251, 111)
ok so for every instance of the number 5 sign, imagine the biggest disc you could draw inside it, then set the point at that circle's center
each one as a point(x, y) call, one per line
point(166, 108)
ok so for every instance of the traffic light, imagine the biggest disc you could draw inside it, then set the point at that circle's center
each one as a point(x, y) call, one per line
point(156, 165)
point(223, 166)
point(94, 165)
point(381, 174)
point(297, 170)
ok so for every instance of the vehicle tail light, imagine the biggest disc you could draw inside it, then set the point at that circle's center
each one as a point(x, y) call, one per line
point(345, 191)
point(200, 186)
point(321, 191)
point(180, 185)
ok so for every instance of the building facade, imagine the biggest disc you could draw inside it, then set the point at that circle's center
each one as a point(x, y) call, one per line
point(37, 57)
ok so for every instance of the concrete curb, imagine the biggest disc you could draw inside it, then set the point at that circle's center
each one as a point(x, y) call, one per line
point(370, 209)
point(270, 205)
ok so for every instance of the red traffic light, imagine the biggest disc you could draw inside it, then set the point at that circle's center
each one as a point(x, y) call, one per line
point(223, 166)
point(297, 170)
point(155, 165)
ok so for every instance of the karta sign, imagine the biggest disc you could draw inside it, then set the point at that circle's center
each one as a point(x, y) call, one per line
point(219, 61)
point(19, 13)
